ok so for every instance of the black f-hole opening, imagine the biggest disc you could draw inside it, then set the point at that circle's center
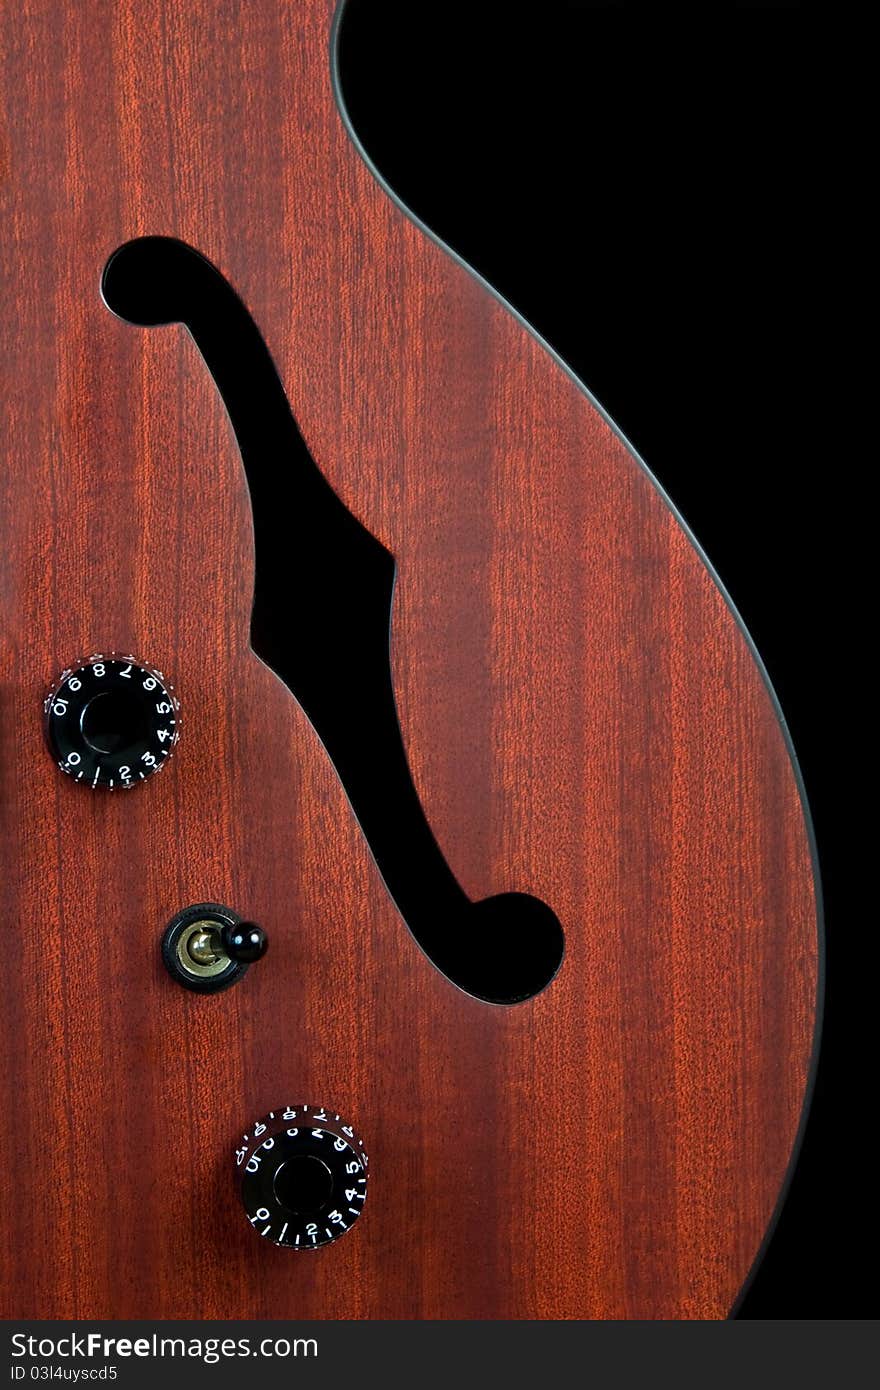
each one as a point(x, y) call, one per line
point(322, 621)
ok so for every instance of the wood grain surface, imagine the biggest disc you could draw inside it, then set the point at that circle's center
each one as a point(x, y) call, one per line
point(584, 717)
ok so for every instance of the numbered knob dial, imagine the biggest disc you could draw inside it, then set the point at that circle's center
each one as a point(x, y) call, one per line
point(111, 722)
point(303, 1174)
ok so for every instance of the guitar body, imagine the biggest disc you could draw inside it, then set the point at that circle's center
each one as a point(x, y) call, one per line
point(583, 715)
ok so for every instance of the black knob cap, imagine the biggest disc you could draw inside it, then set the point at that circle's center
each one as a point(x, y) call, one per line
point(245, 942)
point(111, 722)
point(303, 1174)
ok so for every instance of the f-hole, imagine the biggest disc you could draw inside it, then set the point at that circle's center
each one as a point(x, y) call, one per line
point(321, 620)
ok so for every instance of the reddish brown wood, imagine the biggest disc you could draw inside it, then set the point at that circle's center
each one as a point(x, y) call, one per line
point(584, 717)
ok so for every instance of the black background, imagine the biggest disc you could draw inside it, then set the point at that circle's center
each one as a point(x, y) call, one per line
point(645, 188)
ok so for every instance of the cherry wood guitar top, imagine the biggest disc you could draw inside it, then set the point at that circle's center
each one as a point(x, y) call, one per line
point(584, 718)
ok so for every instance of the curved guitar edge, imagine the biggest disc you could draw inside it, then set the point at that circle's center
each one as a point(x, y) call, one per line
point(533, 333)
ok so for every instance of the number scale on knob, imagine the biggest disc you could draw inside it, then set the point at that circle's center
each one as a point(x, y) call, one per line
point(303, 1173)
point(111, 721)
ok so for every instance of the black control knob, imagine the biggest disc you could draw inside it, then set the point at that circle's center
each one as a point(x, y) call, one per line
point(111, 722)
point(303, 1174)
